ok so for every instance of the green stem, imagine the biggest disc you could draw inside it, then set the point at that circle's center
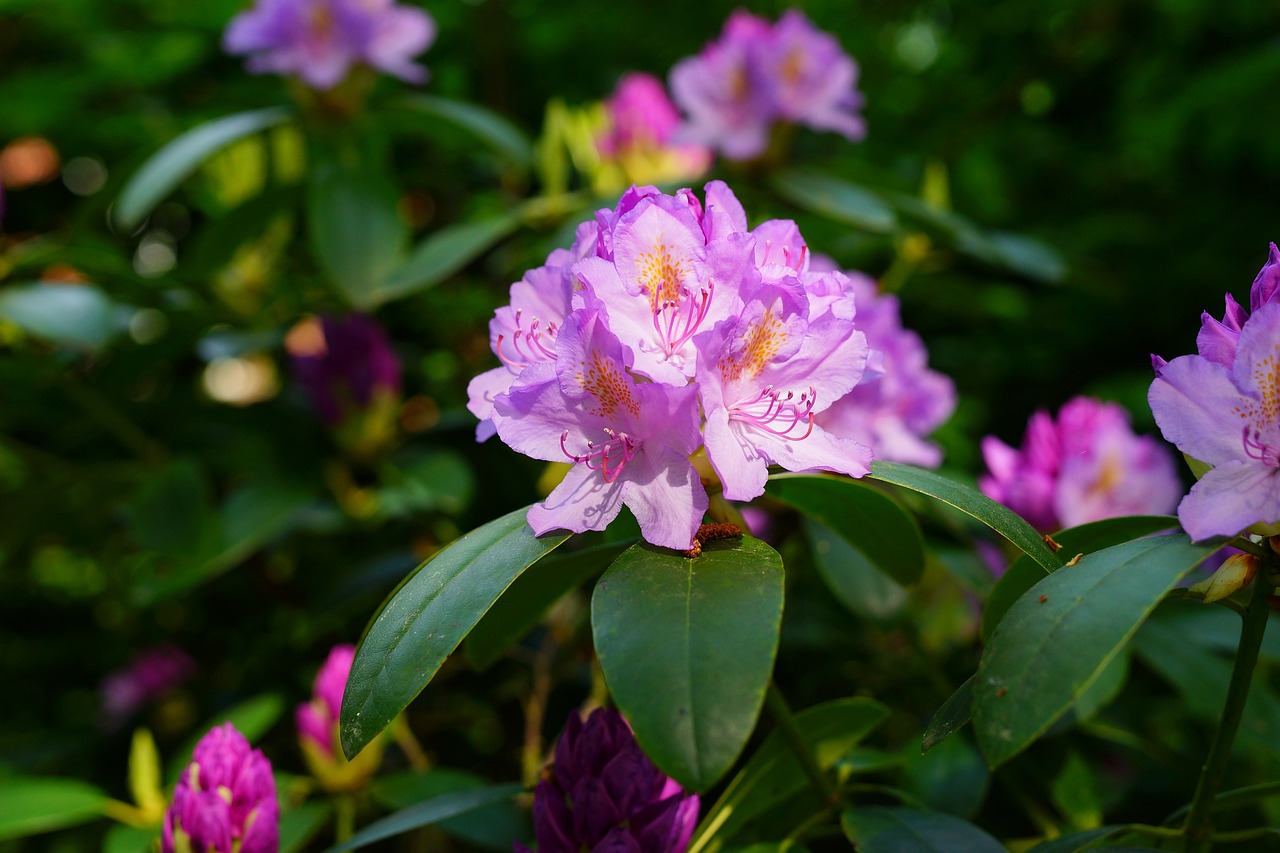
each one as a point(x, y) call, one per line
point(1198, 829)
point(791, 733)
point(344, 811)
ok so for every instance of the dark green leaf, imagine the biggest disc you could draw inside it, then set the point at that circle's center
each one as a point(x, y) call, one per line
point(495, 130)
point(951, 778)
point(74, 315)
point(441, 255)
point(879, 531)
point(1057, 639)
point(951, 717)
point(687, 647)
point(299, 825)
point(836, 199)
point(1104, 688)
point(1028, 256)
point(998, 517)
point(171, 510)
point(31, 805)
point(857, 584)
point(169, 166)
point(1078, 841)
point(429, 813)
point(524, 602)
point(1084, 539)
point(887, 830)
point(773, 774)
point(492, 826)
point(253, 718)
point(427, 616)
point(1075, 793)
point(131, 839)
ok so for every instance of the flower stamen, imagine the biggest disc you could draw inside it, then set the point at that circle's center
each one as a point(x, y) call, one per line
point(1256, 448)
point(617, 451)
point(781, 415)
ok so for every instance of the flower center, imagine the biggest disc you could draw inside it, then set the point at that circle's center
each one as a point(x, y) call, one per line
point(1256, 448)
point(677, 317)
point(608, 457)
point(778, 413)
point(532, 344)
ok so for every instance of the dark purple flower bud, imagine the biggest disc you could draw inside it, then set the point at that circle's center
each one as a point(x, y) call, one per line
point(346, 366)
point(604, 794)
point(1266, 283)
point(225, 801)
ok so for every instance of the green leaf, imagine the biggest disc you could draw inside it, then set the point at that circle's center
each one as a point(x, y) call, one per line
point(687, 647)
point(773, 774)
point(1105, 687)
point(875, 526)
point(441, 255)
point(169, 166)
point(433, 811)
point(253, 718)
point(428, 615)
point(952, 778)
point(951, 717)
point(31, 805)
point(131, 839)
point(836, 199)
point(857, 584)
point(1057, 639)
point(878, 829)
point(495, 130)
point(299, 825)
point(522, 605)
point(1028, 256)
point(1075, 793)
point(492, 826)
point(79, 316)
point(171, 510)
point(1078, 841)
point(356, 233)
point(1023, 573)
point(998, 517)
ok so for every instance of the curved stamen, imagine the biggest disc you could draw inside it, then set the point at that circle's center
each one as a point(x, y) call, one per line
point(1256, 448)
point(616, 452)
point(677, 320)
point(781, 416)
point(512, 363)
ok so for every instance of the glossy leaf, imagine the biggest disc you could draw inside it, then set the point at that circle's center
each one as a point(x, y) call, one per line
point(79, 316)
point(31, 805)
point(1024, 573)
point(873, 524)
point(952, 778)
point(428, 615)
point(856, 583)
point(687, 648)
point(495, 130)
point(888, 830)
point(441, 255)
point(528, 598)
point(1057, 639)
point(492, 826)
point(169, 166)
point(836, 199)
point(970, 501)
point(428, 813)
point(773, 774)
point(1078, 841)
point(951, 717)
point(299, 825)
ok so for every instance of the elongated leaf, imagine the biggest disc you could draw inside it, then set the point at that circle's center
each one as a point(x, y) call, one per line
point(169, 166)
point(857, 584)
point(74, 315)
point(871, 522)
point(299, 825)
point(952, 778)
point(1057, 639)
point(1024, 573)
point(773, 774)
point(998, 517)
point(433, 811)
point(951, 717)
point(31, 805)
point(836, 199)
point(492, 826)
point(427, 616)
point(441, 255)
point(495, 130)
point(1078, 841)
point(687, 647)
point(132, 839)
point(524, 602)
point(885, 830)
point(253, 718)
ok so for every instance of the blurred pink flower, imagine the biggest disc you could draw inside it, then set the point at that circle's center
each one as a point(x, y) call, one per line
point(148, 676)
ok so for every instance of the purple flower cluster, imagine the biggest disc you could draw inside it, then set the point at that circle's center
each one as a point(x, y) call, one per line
point(670, 326)
point(149, 675)
point(225, 801)
point(1084, 466)
point(320, 41)
point(1221, 407)
point(639, 139)
point(604, 794)
point(899, 400)
point(345, 367)
point(758, 73)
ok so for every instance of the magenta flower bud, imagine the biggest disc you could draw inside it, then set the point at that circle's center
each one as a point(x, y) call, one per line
point(603, 793)
point(148, 676)
point(637, 143)
point(317, 723)
point(225, 801)
point(347, 367)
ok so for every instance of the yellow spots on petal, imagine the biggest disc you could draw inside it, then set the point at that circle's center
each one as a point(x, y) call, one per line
point(1266, 379)
point(791, 66)
point(761, 343)
point(321, 21)
point(660, 275)
point(604, 381)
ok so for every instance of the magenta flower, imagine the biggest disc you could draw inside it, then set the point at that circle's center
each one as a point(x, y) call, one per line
point(148, 676)
point(630, 442)
point(225, 801)
point(899, 400)
point(1085, 466)
point(317, 720)
point(604, 794)
point(350, 367)
point(757, 73)
point(638, 144)
point(320, 41)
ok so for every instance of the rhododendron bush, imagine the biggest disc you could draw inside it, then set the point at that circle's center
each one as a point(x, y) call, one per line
point(488, 427)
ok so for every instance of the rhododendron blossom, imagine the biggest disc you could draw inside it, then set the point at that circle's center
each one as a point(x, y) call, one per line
point(225, 801)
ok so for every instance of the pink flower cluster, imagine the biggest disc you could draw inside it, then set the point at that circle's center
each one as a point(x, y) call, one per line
point(225, 801)
point(667, 327)
point(1221, 407)
point(1084, 466)
point(758, 73)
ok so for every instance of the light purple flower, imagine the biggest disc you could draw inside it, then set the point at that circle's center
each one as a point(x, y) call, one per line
point(630, 441)
point(1218, 338)
point(320, 41)
point(1084, 466)
point(899, 400)
point(225, 801)
point(317, 720)
point(148, 676)
point(757, 73)
point(604, 794)
point(347, 367)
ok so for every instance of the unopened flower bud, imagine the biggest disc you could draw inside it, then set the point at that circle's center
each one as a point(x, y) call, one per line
point(1234, 574)
point(225, 801)
point(317, 723)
